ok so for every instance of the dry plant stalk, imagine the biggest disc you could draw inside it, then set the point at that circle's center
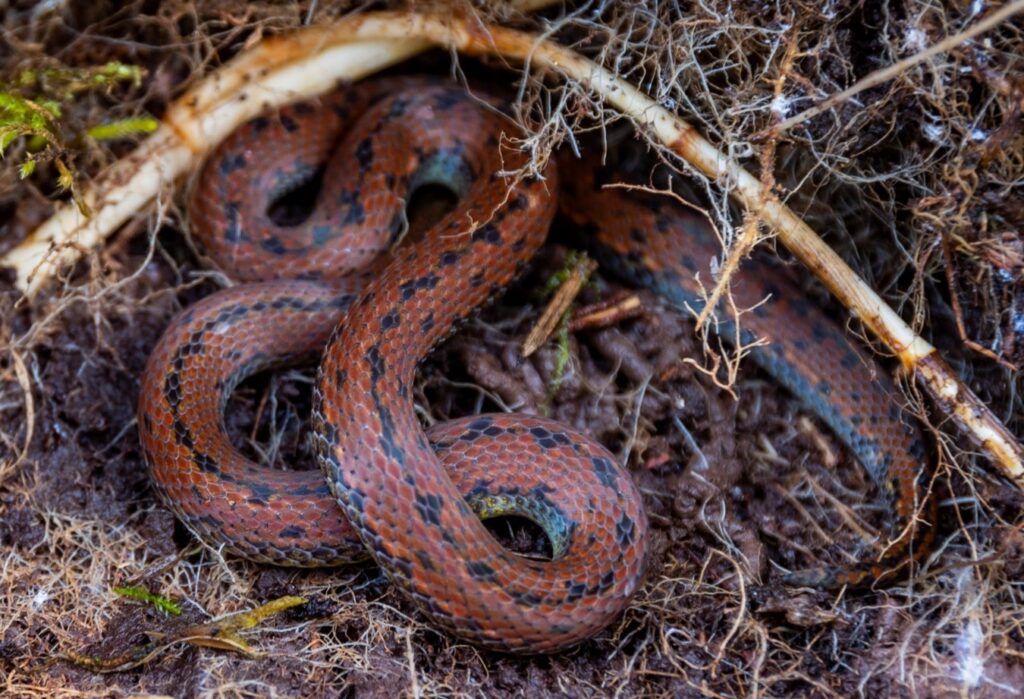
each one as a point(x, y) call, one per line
point(559, 304)
point(310, 61)
point(609, 311)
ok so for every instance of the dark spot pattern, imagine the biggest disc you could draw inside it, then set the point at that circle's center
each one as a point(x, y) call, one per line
point(292, 532)
point(232, 163)
point(376, 362)
point(479, 570)
point(429, 506)
point(605, 471)
point(487, 233)
point(364, 155)
point(389, 321)
point(288, 123)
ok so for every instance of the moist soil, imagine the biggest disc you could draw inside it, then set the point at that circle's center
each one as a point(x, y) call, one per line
point(740, 483)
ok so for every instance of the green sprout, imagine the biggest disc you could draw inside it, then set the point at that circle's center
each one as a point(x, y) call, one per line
point(137, 592)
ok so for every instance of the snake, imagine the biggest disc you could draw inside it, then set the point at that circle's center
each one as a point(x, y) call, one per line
point(343, 288)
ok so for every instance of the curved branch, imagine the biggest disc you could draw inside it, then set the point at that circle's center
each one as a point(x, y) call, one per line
point(312, 60)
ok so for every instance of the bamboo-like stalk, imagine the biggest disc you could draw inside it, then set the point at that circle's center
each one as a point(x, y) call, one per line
point(285, 68)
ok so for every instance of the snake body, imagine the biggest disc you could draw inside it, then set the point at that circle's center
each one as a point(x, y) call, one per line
point(412, 499)
point(667, 247)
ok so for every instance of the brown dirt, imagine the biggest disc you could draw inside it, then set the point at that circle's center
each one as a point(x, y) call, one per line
point(734, 489)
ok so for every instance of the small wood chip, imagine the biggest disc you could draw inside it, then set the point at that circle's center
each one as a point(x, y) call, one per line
point(610, 311)
point(577, 275)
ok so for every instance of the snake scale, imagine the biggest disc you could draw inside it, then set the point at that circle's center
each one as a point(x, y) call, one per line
point(414, 499)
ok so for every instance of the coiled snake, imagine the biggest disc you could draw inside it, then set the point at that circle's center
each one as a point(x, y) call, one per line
point(413, 499)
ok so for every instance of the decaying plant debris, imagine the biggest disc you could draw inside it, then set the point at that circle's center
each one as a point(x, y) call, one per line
point(915, 180)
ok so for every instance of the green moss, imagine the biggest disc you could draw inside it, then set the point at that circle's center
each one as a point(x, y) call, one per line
point(32, 108)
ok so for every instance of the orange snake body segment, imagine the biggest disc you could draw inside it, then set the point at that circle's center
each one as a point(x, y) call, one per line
point(413, 499)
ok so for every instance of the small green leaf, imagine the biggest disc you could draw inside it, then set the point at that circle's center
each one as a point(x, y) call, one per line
point(143, 595)
point(123, 128)
point(116, 70)
point(27, 78)
point(52, 107)
point(36, 143)
point(7, 136)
